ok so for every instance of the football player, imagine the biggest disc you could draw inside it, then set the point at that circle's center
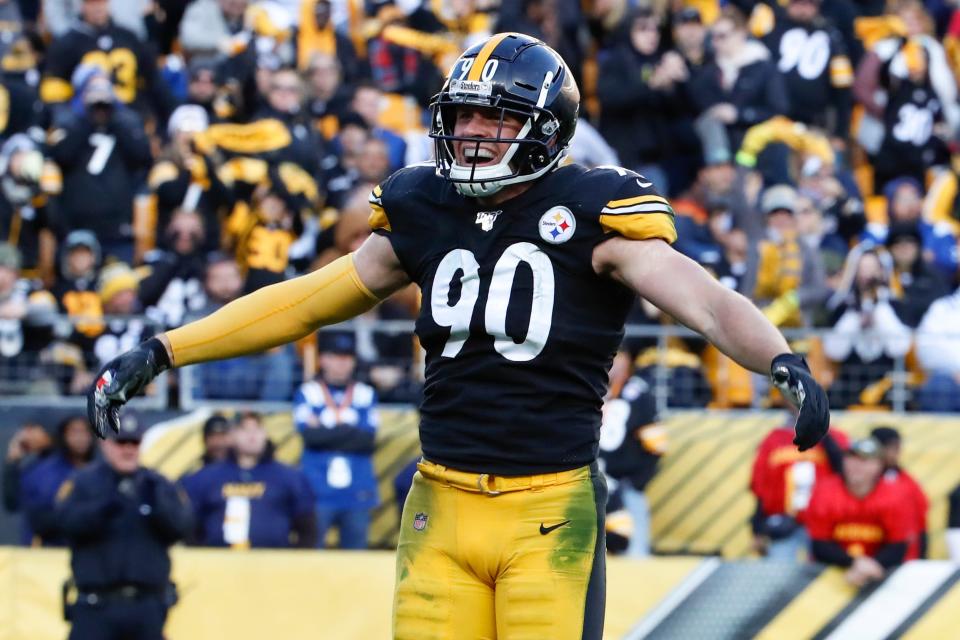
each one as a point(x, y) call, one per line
point(528, 267)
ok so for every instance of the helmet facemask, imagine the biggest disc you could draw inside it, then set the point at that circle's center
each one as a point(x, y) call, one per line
point(530, 154)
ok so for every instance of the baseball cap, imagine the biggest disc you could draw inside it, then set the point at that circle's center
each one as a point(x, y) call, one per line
point(865, 448)
point(115, 278)
point(132, 427)
point(9, 256)
point(885, 435)
point(780, 197)
point(217, 423)
point(188, 118)
point(687, 14)
point(340, 342)
point(903, 231)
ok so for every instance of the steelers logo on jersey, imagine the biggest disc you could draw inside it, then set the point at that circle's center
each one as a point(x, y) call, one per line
point(557, 225)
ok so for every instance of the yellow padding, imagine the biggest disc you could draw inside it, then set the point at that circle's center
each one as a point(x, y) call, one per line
point(641, 226)
point(275, 315)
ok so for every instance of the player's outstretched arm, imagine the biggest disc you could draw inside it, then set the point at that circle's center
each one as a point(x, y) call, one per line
point(266, 318)
point(684, 290)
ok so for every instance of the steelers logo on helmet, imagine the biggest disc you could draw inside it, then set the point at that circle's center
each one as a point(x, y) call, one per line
point(557, 225)
point(517, 77)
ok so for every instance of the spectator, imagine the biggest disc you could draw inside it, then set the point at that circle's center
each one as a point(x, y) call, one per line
point(73, 450)
point(337, 418)
point(29, 216)
point(264, 239)
point(340, 174)
point(373, 165)
point(27, 317)
point(184, 178)
point(18, 68)
point(11, 24)
point(921, 283)
point(690, 38)
point(250, 500)
point(889, 63)
point(856, 520)
point(914, 132)
point(94, 40)
point(174, 286)
point(284, 102)
point(207, 25)
point(890, 443)
point(812, 58)
point(268, 376)
point(216, 439)
point(102, 149)
point(631, 444)
point(867, 335)
point(118, 287)
point(638, 87)
point(77, 296)
point(368, 101)
point(327, 96)
point(401, 68)
point(783, 481)
point(29, 445)
point(120, 520)
point(738, 89)
point(938, 351)
point(953, 525)
point(316, 36)
point(790, 281)
point(905, 205)
point(202, 85)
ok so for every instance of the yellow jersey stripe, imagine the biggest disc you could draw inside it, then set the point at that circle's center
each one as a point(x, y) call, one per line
point(484, 55)
point(641, 226)
point(378, 218)
point(626, 202)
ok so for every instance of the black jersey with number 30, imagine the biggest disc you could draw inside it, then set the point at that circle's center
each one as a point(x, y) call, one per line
point(519, 330)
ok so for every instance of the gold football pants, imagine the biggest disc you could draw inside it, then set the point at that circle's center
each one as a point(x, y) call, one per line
point(505, 557)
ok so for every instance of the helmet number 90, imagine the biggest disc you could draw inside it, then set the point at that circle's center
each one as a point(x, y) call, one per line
point(458, 315)
point(489, 69)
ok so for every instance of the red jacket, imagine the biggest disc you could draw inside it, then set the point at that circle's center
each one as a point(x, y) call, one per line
point(860, 526)
point(911, 488)
point(781, 479)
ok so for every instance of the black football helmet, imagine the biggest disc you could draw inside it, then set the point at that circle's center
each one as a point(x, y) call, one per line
point(519, 75)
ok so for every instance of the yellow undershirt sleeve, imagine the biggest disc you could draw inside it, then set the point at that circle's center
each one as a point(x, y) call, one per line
point(274, 315)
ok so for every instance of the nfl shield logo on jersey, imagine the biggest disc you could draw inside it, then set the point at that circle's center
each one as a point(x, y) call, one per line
point(420, 521)
point(486, 219)
point(557, 225)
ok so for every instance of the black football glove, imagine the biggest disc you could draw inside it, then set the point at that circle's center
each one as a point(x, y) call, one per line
point(121, 379)
point(792, 377)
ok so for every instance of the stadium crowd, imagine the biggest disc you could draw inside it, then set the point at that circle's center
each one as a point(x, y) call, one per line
point(162, 157)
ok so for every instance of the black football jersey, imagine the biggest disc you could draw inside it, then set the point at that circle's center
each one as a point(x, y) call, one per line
point(519, 330)
point(816, 70)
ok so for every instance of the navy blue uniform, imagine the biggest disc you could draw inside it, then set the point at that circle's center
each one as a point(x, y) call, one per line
point(119, 529)
point(257, 507)
point(519, 330)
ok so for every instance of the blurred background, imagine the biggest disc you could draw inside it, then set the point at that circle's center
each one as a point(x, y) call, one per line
point(160, 158)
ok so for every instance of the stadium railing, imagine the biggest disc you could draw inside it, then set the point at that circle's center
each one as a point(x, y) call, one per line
point(684, 371)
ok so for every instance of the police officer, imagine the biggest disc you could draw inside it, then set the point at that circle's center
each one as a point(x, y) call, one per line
point(120, 520)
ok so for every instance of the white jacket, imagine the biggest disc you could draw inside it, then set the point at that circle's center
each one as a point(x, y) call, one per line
point(938, 336)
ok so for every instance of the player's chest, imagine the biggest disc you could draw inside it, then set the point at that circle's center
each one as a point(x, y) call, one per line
point(502, 276)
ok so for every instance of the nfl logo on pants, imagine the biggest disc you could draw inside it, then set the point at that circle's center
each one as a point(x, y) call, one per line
point(420, 521)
